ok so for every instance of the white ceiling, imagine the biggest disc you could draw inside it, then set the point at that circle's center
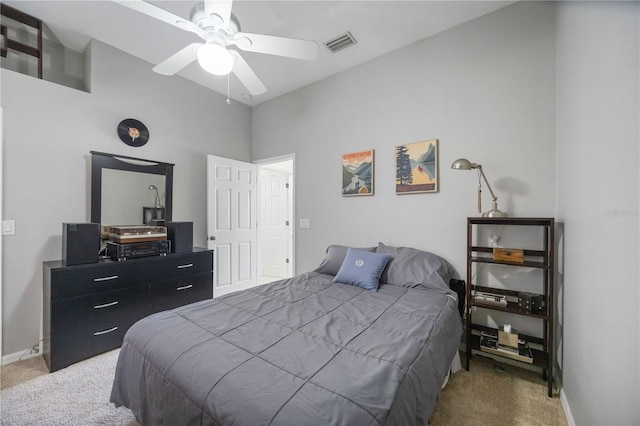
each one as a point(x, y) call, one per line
point(378, 26)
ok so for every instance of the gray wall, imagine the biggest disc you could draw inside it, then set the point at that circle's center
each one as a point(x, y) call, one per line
point(488, 91)
point(485, 89)
point(598, 183)
point(49, 130)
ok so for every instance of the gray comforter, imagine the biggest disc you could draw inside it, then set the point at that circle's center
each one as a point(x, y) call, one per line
point(302, 351)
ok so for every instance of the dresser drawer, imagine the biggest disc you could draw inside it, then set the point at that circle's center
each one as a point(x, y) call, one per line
point(99, 312)
point(182, 265)
point(80, 343)
point(181, 291)
point(87, 309)
point(85, 326)
point(83, 280)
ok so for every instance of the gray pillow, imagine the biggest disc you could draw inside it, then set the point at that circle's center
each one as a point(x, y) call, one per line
point(409, 266)
point(335, 257)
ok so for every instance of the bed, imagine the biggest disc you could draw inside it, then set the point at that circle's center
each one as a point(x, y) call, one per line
point(309, 350)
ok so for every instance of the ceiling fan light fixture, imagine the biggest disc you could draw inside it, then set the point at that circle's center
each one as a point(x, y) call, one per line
point(215, 59)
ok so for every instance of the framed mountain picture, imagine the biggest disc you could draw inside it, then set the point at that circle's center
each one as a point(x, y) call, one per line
point(357, 173)
point(417, 167)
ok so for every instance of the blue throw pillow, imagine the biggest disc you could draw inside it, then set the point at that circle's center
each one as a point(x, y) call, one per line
point(362, 269)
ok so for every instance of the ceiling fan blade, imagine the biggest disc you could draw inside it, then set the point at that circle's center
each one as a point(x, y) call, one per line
point(245, 74)
point(280, 46)
point(179, 60)
point(160, 14)
point(222, 8)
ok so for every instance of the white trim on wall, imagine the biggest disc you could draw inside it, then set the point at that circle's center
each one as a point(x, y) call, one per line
point(19, 356)
point(566, 408)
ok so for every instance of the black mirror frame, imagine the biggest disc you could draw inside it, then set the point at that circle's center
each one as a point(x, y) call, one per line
point(101, 160)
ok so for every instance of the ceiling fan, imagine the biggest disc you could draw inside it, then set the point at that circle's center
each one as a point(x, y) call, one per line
point(214, 22)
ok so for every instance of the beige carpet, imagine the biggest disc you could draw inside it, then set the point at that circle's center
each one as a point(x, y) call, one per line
point(481, 396)
point(484, 396)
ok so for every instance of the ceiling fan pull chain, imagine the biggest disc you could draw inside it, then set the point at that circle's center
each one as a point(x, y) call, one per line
point(228, 100)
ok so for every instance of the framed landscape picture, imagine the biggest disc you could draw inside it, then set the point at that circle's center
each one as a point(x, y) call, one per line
point(357, 173)
point(417, 167)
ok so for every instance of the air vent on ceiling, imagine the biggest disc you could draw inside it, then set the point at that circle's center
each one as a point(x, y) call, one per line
point(341, 42)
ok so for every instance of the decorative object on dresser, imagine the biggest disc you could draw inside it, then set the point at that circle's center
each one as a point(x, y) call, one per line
point(488, 339)
point(127, 242)
point(80, 243)
point(89, 308)
point(464, 164)
point(122, 252)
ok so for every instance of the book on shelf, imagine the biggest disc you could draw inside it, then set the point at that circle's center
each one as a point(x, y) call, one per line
point(489, 343)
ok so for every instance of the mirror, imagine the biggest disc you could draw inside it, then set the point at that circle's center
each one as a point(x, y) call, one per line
point(129, 191)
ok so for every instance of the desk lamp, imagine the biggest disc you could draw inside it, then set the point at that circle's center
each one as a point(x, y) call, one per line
point(158, 204)
point(464, 164)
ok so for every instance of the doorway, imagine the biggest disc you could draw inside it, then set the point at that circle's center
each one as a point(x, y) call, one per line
point(276, 226)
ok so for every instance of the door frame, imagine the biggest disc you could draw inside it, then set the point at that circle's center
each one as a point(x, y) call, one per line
point(292, 229)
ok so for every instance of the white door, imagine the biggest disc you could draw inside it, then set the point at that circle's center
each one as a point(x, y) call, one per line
point(232, 223)
point(275, 223)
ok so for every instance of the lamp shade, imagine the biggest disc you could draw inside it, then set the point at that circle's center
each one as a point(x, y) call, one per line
point(215, 59)
point(463, 164)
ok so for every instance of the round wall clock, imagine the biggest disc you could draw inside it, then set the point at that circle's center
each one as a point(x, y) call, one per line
point(133, 132)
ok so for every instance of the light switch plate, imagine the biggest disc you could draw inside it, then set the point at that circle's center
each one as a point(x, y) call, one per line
point(305, 223)
point(8, 227)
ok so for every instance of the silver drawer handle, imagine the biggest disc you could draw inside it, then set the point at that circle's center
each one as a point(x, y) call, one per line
point(97, 333)
point(112, 277)
point(106, 305)
point(184, 287)
point(188, 265)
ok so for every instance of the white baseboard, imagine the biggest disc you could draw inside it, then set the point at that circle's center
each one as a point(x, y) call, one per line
point(566, 408)
point(19, 356)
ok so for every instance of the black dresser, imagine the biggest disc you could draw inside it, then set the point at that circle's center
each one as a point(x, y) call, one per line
point(89, 308)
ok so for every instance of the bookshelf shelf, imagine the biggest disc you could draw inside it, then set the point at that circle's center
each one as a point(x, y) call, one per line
point(540, 259)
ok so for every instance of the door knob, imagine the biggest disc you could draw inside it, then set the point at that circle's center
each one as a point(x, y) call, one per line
point(212, 237)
